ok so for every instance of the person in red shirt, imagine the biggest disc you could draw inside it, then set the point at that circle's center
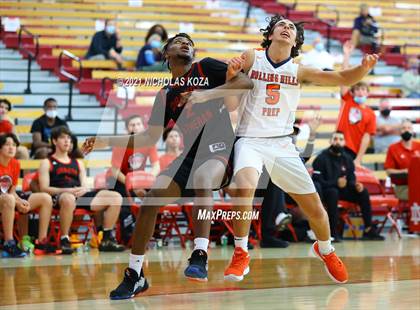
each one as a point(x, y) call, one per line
point(11, 201)
point(125, 160)
point(172, 139)
point(357, 120)
point(398, 159)
point(6, 126)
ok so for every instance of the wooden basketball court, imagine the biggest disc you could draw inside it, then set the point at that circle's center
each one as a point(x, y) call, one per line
point(383, 275)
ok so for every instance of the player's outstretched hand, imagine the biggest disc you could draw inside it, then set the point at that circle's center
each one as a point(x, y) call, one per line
point(92, 143)
point(235, 65)
point(369, 61)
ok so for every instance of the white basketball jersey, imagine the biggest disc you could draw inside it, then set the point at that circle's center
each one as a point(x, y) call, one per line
point(268, 110)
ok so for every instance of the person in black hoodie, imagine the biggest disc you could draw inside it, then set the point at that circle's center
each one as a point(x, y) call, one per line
point(335, 180)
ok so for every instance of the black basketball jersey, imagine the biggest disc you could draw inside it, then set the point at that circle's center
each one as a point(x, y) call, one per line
point(64, 175)
point(206, 127)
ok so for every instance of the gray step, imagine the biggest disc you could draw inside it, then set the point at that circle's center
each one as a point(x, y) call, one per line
point(62, 100)
point(89, 113)
point(52, 88)
point(17, 63)
point(22, 76)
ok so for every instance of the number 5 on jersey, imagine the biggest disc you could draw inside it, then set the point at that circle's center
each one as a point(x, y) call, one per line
point(273, 94)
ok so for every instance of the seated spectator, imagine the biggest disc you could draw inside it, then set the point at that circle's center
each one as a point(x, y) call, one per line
point(365, 30)
point(41, 129)
point(387, 127)
point(11, 201)
point(335, 180)
point(150, 56)
point(65, 179)
point(410, 79)
point(125, 160)
point(172, 138)
point(357, 120)
point(398, 159)
point(318, 57)
point(6, 126)
point(106, 44)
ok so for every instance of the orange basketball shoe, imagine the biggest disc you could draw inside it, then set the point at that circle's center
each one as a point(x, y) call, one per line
point(239, 266)
point(333, 265)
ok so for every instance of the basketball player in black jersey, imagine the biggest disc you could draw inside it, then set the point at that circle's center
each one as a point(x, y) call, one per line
point(204, 163)
point(65, 177)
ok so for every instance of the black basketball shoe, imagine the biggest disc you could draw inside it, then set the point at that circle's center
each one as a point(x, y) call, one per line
point(197, 266)
point(132, 285)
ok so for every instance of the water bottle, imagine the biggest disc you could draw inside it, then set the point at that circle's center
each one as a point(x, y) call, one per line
point(224, 240)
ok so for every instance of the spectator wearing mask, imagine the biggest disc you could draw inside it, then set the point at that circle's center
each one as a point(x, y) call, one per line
point(410, 79)
point(172, 138)
point(6, 126)
point(42, 127)
point(365, 29)
point(150, 56)
point(398, 159)
point(387, 127)
point(318, 57)
point(106, 44)
point(335, 180)
point(357, 120)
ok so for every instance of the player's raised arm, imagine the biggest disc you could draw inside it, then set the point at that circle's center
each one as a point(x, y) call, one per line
point(147, 138)
point(346, 77)
point(236, 65)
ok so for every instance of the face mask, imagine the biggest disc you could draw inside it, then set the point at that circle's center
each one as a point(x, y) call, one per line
point(319, 47)
point(51, 113)
point(155, 44)
point(110, 29)
point(406, 135)
point(360, 100)
point(336, 149)
point(385, 112)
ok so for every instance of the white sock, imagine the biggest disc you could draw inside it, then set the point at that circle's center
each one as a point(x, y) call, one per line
point(325, 247)
point(241, 242)
point(279, 218)
point(201, 244)
point(136, 262)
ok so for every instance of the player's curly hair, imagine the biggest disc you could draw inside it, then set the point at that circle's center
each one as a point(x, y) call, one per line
point(269, 30)
point(169, 42)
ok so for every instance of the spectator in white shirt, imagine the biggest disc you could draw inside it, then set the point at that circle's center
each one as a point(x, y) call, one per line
point(318, 57)
point(387, 127)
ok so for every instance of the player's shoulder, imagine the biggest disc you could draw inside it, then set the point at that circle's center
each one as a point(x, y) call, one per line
point(209, 62)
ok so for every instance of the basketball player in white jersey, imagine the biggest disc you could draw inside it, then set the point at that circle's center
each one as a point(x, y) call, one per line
point(266, 118)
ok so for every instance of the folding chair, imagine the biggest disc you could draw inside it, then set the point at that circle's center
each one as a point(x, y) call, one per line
point(382, 204)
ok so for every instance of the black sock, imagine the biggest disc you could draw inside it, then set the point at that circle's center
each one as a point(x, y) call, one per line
point(107, 234)
point(99, 228)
